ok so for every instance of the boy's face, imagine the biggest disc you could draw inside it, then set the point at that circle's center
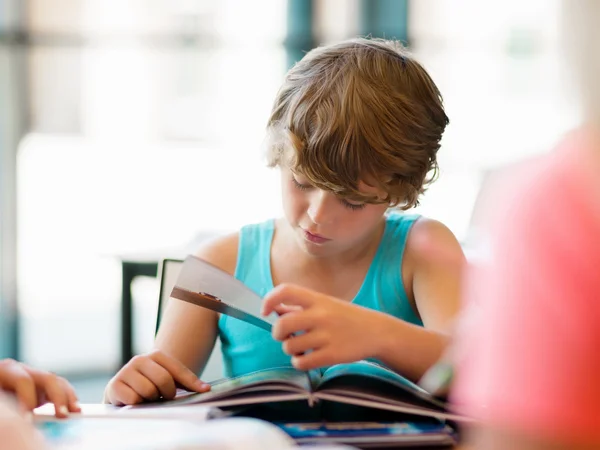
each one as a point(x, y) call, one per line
point(324, 224)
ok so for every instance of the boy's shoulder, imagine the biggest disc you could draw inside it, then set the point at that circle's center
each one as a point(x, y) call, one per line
point(431, 227)
point(221, 251)
point(430, 241)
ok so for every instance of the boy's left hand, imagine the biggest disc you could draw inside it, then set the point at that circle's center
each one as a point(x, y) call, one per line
point(333, 331)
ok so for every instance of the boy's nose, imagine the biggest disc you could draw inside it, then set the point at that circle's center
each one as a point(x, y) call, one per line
point(319, 210)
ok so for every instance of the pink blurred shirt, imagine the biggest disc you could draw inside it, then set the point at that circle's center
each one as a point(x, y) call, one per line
point(531, 350)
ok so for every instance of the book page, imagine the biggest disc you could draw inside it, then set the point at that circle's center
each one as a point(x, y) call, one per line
point(358, 397)
point(370, 380)
point(205, 285)
point(285, 382)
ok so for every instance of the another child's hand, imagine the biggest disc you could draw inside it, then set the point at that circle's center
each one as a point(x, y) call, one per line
point(17, 433)
point(150, 377)
point(33, 388)
point(333, 331)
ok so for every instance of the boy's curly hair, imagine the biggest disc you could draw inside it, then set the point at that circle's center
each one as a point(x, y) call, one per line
point(360, 110)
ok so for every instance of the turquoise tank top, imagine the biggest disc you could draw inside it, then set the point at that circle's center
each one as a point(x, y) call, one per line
point(247, 348)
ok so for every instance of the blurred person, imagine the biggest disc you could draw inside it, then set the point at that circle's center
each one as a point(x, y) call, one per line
point(355, 131)
point(528, 360)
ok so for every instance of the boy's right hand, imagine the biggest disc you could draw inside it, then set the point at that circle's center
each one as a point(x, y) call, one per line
point(150, 377)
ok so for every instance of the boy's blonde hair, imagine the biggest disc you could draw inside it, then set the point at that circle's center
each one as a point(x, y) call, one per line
point(360, 110)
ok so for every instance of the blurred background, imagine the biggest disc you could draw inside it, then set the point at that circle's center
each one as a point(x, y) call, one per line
point(130, 131)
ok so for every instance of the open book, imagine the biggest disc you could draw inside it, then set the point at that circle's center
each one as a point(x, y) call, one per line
point(373, 434)
point(362, 384)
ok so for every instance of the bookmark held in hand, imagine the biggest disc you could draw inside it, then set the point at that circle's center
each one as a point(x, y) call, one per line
point(203, 284)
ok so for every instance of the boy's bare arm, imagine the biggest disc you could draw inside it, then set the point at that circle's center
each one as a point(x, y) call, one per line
point(188, 332)
point(437, 263)
point(183, 345)
point(434, 261)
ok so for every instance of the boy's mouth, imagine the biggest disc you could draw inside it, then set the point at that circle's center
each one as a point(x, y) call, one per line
point(314, 238)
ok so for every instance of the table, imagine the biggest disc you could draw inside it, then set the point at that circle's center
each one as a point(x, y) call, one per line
point(99, 427)
point(127, 429)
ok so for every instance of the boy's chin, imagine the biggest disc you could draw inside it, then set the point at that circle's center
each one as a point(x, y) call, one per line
point(317, 250)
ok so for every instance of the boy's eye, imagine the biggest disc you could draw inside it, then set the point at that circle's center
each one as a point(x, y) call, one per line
point(346, 203)
point(301, 186)
point(353, 206)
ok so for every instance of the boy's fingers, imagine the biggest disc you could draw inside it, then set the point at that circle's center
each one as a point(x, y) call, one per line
point(180, 373)
point(297, 345)
point(121, 394)
point(161, 378)
point(282, 309)
point(141, 385)
point(312, 360)
point(289, 295)
point(292, 323)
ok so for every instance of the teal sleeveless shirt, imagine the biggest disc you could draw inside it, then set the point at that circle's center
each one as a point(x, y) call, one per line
point(247, 348)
